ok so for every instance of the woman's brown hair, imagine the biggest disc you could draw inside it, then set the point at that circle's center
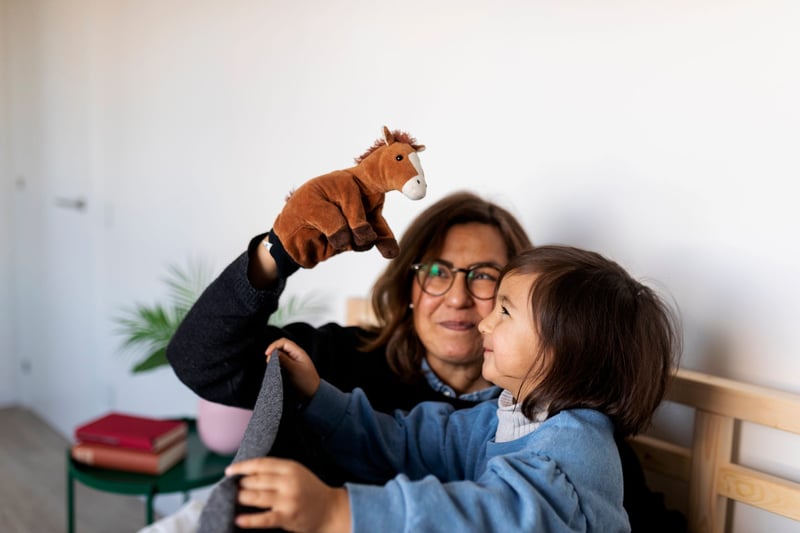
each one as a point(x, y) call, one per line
point(607, 342)
point(391, 293)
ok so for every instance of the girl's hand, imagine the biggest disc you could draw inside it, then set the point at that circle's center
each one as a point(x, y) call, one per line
point(301, 369)
point(292, 496)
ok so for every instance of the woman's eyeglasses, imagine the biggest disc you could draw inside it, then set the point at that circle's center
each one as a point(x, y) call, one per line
point(436, 278)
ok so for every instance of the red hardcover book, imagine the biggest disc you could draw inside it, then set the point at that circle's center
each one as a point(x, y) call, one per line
point(129, 431)
point(127, 459)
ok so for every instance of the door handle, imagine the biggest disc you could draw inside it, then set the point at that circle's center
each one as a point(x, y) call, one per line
point(79, 203)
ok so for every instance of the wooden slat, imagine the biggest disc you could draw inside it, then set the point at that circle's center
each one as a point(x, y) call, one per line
point(359, 312)
point(760, 490)
point(768, 407)
point(712, 446)
point(663, 457)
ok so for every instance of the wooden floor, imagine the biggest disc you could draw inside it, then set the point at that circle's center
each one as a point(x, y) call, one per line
point(33, 484)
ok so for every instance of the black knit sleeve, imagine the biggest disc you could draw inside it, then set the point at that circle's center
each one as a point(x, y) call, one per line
point(218, 350)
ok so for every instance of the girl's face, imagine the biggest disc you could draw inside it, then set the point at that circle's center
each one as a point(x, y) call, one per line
point(447, 325)
point(510, 341)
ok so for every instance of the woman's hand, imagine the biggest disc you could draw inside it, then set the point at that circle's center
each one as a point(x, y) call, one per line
point(296, 361)
point(292, 496)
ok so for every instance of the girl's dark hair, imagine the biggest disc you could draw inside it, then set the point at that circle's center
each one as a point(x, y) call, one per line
point(424, 238)
point(607, 342)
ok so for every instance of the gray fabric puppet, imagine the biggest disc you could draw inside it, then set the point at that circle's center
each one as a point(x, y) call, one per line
point(221, 508)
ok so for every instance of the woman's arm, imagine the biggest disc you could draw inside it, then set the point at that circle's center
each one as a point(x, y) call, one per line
point(218, 350)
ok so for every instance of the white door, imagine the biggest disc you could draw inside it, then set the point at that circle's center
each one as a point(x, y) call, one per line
point(55, 211)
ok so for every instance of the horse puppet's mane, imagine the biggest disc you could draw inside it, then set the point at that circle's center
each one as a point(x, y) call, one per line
point(399, 136)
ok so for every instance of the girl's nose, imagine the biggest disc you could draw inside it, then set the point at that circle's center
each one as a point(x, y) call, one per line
point(484, 326)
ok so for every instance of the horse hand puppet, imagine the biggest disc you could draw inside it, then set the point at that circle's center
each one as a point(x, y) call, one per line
point(341, 210)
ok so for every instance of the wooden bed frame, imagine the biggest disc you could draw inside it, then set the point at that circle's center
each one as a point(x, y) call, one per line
point(707, 467)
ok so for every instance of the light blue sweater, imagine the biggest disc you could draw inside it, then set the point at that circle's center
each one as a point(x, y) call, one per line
point(565, 476)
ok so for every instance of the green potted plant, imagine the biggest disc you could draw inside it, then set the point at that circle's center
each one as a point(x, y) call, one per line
point(147, 329)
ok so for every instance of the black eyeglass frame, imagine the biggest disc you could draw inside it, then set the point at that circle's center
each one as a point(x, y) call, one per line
point(418, 270)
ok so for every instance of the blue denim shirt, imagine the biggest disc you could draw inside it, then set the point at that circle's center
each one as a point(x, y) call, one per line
point(443, 388)
point(452, 474)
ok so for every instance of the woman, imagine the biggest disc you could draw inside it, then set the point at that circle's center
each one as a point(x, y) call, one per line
point(426, 346)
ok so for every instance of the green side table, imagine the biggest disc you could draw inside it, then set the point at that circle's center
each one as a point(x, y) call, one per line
point(201, 467)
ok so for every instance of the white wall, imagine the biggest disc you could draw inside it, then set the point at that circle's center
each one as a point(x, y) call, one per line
point(8, 387)
point(662, 134)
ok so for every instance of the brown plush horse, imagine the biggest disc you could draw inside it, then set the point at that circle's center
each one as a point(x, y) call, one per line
point(342, 210)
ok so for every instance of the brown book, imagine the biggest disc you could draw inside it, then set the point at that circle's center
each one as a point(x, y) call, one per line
point(131, 431)
point(127, 459)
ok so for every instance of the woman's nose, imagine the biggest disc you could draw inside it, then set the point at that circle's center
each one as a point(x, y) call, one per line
point(458, 295)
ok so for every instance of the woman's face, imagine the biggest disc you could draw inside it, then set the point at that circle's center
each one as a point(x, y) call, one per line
point(447, 325)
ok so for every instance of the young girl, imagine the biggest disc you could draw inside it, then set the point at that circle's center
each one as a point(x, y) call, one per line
point(581, 350)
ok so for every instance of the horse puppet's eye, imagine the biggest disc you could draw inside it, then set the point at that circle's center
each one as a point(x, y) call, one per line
point(398, 157)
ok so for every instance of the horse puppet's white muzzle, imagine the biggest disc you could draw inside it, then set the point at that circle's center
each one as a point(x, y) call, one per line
point(416, 187)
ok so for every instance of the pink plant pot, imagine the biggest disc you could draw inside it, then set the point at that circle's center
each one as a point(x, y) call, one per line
point(221, 427)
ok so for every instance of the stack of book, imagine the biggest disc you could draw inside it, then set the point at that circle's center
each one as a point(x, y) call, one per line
point(131, 443)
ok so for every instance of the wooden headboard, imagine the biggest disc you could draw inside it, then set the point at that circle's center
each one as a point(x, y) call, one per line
point(707, 467)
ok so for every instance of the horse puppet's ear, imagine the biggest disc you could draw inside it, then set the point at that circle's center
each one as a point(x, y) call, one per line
point(387, 136)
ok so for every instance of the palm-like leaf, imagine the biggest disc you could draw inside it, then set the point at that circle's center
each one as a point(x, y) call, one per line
point(150, 328)
point(185, 286)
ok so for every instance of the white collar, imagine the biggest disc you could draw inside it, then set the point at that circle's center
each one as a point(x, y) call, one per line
point(511, 423)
